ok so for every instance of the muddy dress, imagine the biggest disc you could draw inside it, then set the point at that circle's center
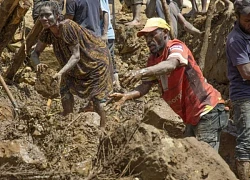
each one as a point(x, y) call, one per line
point(91, 76)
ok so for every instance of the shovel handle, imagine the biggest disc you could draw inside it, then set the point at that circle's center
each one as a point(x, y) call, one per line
point(8, 92)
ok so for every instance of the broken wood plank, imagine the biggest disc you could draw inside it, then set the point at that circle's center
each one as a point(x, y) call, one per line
point(203, 52)
point(168, 18)
point(10, 28)
point(6, 9)
point(21, 54)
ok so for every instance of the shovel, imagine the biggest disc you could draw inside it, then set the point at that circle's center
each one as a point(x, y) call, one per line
point(13, 101)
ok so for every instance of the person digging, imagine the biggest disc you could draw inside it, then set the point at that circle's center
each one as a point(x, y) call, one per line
point(172, 66)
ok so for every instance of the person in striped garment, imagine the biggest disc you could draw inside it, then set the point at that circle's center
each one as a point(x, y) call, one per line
point(84, 58)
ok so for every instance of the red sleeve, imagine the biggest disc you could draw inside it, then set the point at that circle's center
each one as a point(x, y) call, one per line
point(179, 50)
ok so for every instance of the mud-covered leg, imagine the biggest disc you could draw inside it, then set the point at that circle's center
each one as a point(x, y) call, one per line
point(99, 108)
point(136, 10)
point(243, 168)
point(204, 6)
point(67, 100)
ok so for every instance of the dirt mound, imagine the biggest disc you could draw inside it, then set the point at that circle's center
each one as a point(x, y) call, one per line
point(6, 111)
point(46, 86)
point(76, 148)
point(148, 153)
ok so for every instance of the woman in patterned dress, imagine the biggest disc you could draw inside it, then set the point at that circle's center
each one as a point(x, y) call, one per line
point(84, 58)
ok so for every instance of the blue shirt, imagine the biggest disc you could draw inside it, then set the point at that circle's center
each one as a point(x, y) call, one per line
point(237, 52)
point(105, 8)
point(86, 13)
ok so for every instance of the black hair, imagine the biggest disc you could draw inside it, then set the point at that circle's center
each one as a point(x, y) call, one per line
point(56, 8)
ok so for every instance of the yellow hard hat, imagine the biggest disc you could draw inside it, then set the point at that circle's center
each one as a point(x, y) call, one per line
point(152, 24)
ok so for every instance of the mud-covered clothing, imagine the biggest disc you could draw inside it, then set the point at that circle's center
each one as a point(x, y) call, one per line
point(238, 53)
point(173, 11)
point(210, 126)
point(241, 119)
point(91, 77)
point(185, 89)
point(86, 13)
point(190, 96)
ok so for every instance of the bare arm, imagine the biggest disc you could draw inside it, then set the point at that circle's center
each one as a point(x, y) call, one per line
point(139, 91)
point(74, 59)
point(164, 67)
point(105, 23)
point(187, 25)
point(150, 8)
point(143, 88)
point(244, 70)
point(40, 46)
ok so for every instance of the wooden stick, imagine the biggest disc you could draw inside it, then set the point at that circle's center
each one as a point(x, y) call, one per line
point(13, 101)
point(7, 8)
point(21, 54)
point(12, 24)
point(49, 104)
point(203, 52)
point(168, 18)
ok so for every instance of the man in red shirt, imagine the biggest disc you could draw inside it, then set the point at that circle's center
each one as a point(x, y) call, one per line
point(184, 88)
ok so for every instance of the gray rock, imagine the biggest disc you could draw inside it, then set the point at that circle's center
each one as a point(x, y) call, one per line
point(160, 115)
point(16, 151)
point(153, 155)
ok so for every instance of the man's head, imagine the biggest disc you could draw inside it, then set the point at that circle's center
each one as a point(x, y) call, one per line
point(155, 32)
point(242, 7)
point(242, 10)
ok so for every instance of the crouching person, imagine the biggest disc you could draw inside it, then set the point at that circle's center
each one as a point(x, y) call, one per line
point(172, 66)
point(84, 59)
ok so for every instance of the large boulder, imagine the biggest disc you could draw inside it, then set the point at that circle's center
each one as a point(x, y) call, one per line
point(160, 115)
point(150, 153)
point(21, 151)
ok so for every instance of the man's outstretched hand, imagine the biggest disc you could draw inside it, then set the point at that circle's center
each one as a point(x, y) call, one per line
point(131, 77)
point(120, 98)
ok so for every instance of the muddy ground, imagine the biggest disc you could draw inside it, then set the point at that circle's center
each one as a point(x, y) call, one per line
point(74, 147)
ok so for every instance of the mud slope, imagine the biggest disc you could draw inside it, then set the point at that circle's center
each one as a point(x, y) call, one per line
point(39, 143)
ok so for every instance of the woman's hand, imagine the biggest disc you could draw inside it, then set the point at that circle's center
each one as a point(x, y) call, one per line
point(57, 78)
point(41, 67)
